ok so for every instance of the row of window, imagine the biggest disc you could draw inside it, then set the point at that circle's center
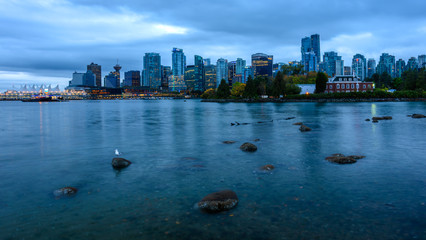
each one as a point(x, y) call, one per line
point(347, 86)
point(341, 91)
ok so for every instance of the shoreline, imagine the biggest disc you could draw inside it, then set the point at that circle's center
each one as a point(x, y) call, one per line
point(320, 100)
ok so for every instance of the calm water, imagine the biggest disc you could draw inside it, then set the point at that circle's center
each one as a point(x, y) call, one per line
point(179, 157)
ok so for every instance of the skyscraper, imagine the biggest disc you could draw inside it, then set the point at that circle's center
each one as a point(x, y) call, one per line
point(178, 62)
point(329, 62)
point(371, 67)
point(262, 64)
point(386, 64)
point(412, 64)
point(339, 65)
point(347, 71)
point(221, 70)
point(199, 73)
point(166, 73)
point(400, 67)
point(190, 80)
point(359, 66)
point(311, 46)
point(96, 69)
point(207, 61)
point(132, 78)
point(240, 65)
point(152, 70)
point(210, 76)
point(232, 68)
point(422, 61)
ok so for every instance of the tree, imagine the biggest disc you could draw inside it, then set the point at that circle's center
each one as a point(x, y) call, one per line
point(208, 94)
point(320, 82)
point(278, 85)
point(385, 80)
point(223, 90)
point(238, 89)
point(375, 78)
point(250, 89)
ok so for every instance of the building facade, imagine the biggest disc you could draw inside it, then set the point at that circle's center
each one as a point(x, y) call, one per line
point(221, 70)
point(422, 61)
point(262, 64)
point(348, 84)
point(371, 67)
point(347, 71)
point(132, 79)
point(210, 76)
point(178, 62)
point(311, 45)
point(359, 66)
point(97, 70)
point(412, 64)
point(399, 67)
point(166, 73)
point(152, 70)
point(386, 64)
point(330, 65)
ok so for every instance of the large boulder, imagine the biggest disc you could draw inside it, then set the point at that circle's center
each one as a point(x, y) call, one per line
point(342, 159)
point(418, 116)
point(304, 128)
point(218, 201)
point(119, 163)
point(65, 192)
point(248, 147)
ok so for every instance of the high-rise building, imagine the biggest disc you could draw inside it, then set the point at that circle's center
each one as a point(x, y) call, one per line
point(232, 67)
point(339, 65)
point(152, 70)
point(347, 71)
point(83, 79)
point(221, 70)
point(422, 61)
point(132, 79)
point(210, 76)
point(199, 73)
point(190, 80)
point(311, 46)
point(371, 67)
point(400, 68)
point(386, 64)
point(178, 62)
point(412, 64)
point(240, 65)
point(117, 69)
point(262, 64)
point(248, 71)
point(166, 73)
point(96, 69)
point(359, 66)
point(329, 63)
point(207, 61)
point(111, 81)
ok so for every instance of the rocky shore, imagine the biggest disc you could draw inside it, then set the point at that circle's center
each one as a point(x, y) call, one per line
point(317, 100)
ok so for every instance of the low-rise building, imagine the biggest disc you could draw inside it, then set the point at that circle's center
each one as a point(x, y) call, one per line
point(347, 84)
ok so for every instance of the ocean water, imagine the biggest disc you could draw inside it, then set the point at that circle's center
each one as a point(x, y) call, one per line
point(178, 158)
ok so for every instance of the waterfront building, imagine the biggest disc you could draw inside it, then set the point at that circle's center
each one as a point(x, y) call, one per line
point(400, 68)
point(132, 79)
point(359, 66)
point(348, 84)
point(262, 64)
point(371, 67)
point(422, 61)
point(177, 83)
point(178, 62)
point(210, 76)
point(166, 73)
point(311, 45)
point(412, 64)
point(97, 70)
point(347, 70)
point(276, 67)
point(152, 70)
point(330, 65)
point(83, 79)
point(111, 81)
point(221, 70)
point(190, 80)
point(386, 64)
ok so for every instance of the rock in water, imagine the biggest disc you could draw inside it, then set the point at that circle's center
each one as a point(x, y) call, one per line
point(342, 159)
point(387, 118)
point(267, 167)
point(228, 142)
point(298, 123)
point(367, 119)
point(377, 118)
point(304, 128)
point(119, 163)
point(218, 201)
point(65, 192)
point(248, 147)
point(418, 116)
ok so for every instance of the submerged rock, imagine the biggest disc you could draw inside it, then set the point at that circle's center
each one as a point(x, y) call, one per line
point(65, 192)
point(387, 118)
point(375, 121)
point(228, 142)
point(218, 201)
point(256, 140)
point(267, 167)
point(119, 163)
point(418, 116)
point(367, 119)
point(298, 123)
point(304, 128)
point(342, 159)
point(248, 147)
point(377, 118)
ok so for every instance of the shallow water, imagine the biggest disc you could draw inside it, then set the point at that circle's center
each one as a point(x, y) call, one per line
point(178, 158)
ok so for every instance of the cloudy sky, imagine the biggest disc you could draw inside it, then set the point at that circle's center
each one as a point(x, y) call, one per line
point(45, 41)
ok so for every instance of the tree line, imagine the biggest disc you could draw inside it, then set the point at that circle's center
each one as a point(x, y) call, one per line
point(409, 80)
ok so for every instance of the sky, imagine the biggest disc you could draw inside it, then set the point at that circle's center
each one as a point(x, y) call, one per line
point(45, 41)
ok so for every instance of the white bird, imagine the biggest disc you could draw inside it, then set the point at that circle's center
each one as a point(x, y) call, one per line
point(117, 153)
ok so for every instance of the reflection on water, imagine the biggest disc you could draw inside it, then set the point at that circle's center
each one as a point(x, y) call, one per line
point(178, 157)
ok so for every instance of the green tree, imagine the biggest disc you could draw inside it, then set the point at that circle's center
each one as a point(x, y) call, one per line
point(375, 78)
point(320, 82)
point(385, 80)
point(250, 89)
point(209, 93)
point(292, 89)
point(238, 89)
point(278, 85)
point(223, 90)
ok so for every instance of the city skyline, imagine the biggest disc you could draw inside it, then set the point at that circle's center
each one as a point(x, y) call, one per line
point(51, 50)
